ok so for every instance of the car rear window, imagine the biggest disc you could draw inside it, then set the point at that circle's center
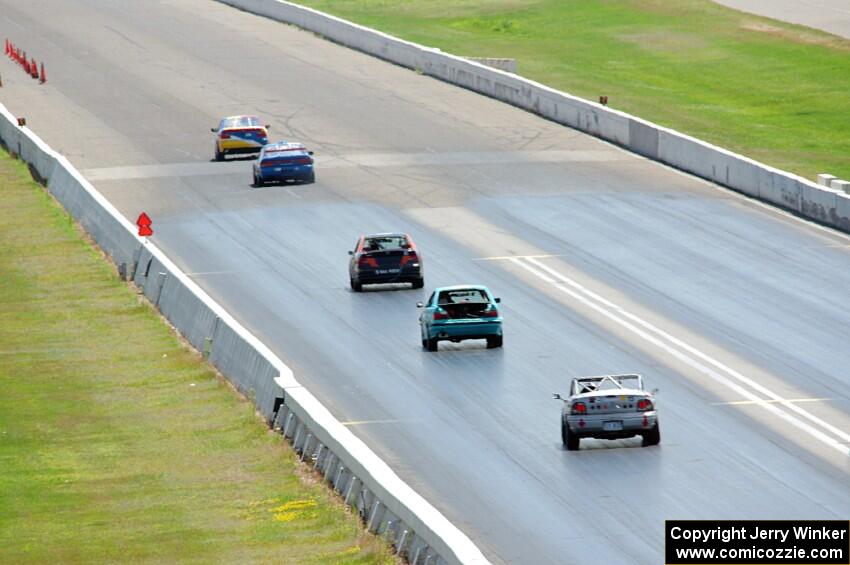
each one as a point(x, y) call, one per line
point(241, 122)
point(461, 296)
point(379, 243)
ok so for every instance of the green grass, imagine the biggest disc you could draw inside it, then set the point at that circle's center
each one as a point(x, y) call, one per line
point(775, 92)
point(117, 442)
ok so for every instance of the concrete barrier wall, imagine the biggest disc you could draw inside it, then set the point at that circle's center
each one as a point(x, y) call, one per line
point(250, 371)
point(702, 159)
point(507, 65)
point(388, 506)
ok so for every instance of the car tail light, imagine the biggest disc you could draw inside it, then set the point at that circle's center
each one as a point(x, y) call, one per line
point(579, 408)
point(644, 404)
point(224, 135)
point(366, 261)
point(409, 258)
point(303, 161)
point(490, 312)
point(441, 314)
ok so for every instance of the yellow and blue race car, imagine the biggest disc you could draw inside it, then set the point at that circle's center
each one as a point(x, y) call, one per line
point(239, 135)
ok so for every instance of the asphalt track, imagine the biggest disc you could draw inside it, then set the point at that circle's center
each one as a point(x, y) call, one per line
point(828, 15)
point(605, 262)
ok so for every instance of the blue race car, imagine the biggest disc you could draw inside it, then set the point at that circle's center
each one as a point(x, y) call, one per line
point(455, 313)
point(284, 161)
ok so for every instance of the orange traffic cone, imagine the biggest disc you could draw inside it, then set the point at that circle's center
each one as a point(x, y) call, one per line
point(43, 78)
point(34, 70)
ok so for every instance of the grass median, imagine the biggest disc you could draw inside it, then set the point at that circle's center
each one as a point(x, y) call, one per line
point(117, 442)
point(772, 91)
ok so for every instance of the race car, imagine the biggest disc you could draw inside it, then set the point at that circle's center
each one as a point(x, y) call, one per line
point(456, 313)
point(385, 258)
point(239, 135)
point(283, 161)
point(608, 407)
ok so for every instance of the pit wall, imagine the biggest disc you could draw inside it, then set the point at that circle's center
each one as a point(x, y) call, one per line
point(785, 190)
point(389, 507)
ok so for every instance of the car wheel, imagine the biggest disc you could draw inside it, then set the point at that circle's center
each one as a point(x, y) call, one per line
point(569, 439)
point(258, 182)
point(431, 344)
point(418, 283)
point(494, 341)
point(219, 156)
point(653, 436)
point(356, 286)
point(311, 178)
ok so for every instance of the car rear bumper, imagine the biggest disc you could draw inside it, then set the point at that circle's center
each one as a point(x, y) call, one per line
point(239, 146)
point(300, 172)
point(593, 425)
point(372, 276)
point(465, 330)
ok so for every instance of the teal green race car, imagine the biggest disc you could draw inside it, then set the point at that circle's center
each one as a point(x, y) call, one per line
point(456, 313)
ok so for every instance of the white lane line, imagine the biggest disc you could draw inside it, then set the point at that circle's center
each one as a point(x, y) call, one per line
point(503, 257)
point(697, 353)
point(614, 313)
point(748, 402)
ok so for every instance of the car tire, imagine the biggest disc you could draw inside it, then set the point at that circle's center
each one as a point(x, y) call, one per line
point(431, 344)
point(494, 341)
point(258, 182)
point(311, 178)
point(653, 436)
point(419, 283)
point(356, 286)
point(570, 440)
point(219, 156)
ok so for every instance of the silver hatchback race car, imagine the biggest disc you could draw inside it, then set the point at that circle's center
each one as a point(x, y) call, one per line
point(608, 407)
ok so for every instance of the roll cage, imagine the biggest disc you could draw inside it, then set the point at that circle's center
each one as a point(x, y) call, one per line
point(581, 385)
